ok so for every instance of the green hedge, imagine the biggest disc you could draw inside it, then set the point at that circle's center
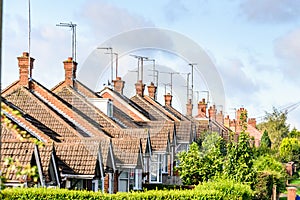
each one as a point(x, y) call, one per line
point(211, 190)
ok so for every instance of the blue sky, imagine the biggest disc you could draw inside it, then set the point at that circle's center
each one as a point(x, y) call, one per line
point(254, 44)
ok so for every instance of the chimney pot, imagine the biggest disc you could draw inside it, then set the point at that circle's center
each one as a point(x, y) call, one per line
point(202, 107)
point(189, 108)
point(140, 87)
point(152, 90)
point(212, 112)
point(168, 99)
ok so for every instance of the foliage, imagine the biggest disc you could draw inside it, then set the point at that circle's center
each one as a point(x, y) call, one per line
point(276, 126)
point(28, 171)
point(290, 150)
point(201, 165)
point(223, 189)
point(294, 133)
point(189, 165)
point(270, 172)
point(14, 166)
point(265, 140)
point(239, 160)
point(229, 188)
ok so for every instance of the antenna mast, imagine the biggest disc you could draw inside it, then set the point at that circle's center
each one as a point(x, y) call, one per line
point(29, 39)
point(73, 28)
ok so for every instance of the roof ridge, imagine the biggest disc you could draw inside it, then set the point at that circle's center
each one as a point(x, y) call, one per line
point(91, 106)
point(161, 108)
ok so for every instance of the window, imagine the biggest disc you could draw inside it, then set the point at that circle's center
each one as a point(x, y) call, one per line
point(165, 164)
point(97, 185)
point(156, 168)
point(136, 179)
point(123, 182)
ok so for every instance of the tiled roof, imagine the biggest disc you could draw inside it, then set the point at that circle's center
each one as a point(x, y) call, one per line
point(13, 141)
point(154, 113)
point(184, 131)
point(30, 104)
point(139, 133)
point(176, 112)
point(253, 132)
point(81, 88)
point(28, 123)
point(80, 103)
point(78, 157)
point(123, 118)
point(88, 127)
point(127, 151)
point(161, 108)
point(17, 150)
point(45, 155)
point(161, 132)
point(201, 115)
point(220, 128)
point(93, 145)
point(121, 100)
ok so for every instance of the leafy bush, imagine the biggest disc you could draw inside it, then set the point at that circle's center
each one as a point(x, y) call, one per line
point(270, 173)
point(211, 190)
point(227, 189)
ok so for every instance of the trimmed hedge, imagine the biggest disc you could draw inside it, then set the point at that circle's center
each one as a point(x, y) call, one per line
point(210, 190)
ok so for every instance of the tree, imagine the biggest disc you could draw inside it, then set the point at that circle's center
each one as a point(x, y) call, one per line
point(14, 166)
point(276, 126)
point(239, 161)
point(294, 134)
point(189, 165)
point(290, 150)
point(270, 172)
point(197, 165)
point(265, 140)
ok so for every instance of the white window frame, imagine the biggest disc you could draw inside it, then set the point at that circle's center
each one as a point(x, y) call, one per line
point(165, 163)
point(158, 164)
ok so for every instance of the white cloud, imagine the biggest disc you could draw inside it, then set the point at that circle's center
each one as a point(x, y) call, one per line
point(287, 49)
point(106, 19)
point(271, 10)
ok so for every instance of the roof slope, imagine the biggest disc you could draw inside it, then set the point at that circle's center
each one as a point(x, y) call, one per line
point(29, 103)
point(81, 103)
point(125, 156)
point(154, 113)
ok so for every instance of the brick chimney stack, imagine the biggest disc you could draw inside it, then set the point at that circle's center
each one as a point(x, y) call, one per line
point(118, 85)
point(189, 108)
point(152, 91)
point(227, 121)
point(202, 107)
point(140, 87)
point(220, 117)
point(212, 112)
point(70, 71)
point(252, 122)
point(24, 70)
point(168, 99)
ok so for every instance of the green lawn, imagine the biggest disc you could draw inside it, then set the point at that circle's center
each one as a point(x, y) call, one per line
point(295, 182)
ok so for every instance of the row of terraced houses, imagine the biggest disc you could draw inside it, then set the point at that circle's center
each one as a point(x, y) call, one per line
point(101, 140)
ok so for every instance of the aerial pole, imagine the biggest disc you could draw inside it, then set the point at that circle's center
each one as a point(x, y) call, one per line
point(171, 79)
point(111, 61)
point(192, 65)
point(73, 28)
point(1, 13)
point(140, 60)
point(187, 86)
